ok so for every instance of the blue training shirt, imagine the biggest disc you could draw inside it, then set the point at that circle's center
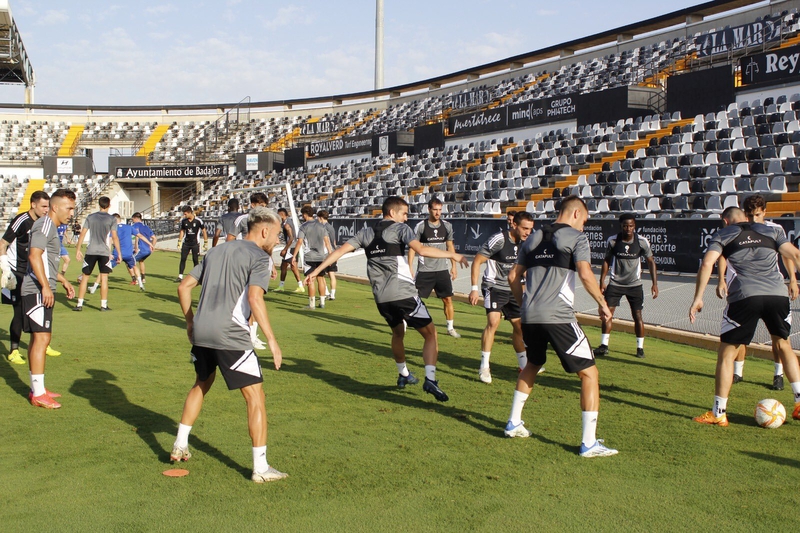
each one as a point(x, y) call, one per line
point(140, 228)
point(125, 234)
point(62, 230)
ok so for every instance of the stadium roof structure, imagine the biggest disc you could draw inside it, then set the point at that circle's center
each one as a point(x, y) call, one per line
point(15, 67)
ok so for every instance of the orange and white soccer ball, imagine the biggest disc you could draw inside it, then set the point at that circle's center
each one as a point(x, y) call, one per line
point(770, 413)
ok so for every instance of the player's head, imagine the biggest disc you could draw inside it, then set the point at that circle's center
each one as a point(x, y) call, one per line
point(322, 215)
point(233, 205)
point(628, 224)
point(62, 206)
point(510, 214)
point(523, 225)
point(284, 214)
point(733, 215)
point(188, 212)
point(118, 217)
point(395, 208)
point(104, 202)
point(755, 207)
point(263, 227)
point(307, 212)
point(573, 212)
point(136, 217)
point(258, 199)
point(435, 209)
point(40, 202)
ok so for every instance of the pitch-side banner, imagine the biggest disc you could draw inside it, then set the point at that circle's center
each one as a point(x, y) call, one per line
point(196, 171)
point(515, 116)
point(771, 67)
point(738, 37)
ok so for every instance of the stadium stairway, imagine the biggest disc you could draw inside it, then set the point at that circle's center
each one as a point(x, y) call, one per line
point(150, 144)
point(33, 186)
point(284, 142)
point(597, 166)
point(71, 141)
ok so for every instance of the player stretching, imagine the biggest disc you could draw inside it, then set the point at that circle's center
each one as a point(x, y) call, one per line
point(393, 287)
point(754, 209)
point(500, 255)
point(233, 279)
point(14, 265)
point(623, 254)
point(287, 254)
point(322, 217)
point(98, 225)
point(227, 223)
point(313, 240)
point(143, 246)
point(436, 274)
point(756, 293)
point(190, 228)
point(38, 291)
point(549, 261)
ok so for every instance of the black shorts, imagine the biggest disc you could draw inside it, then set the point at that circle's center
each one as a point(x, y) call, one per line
point(635, 296)
point(36, 318)
point(739, 320)
point(332, 269)
point(103, 262)
point(240, 368)
point(568, 341)
point(287, 259)
point(13, 297)
point(496, 300)
point(412, 310)
point(311, 266)
point(438, 281)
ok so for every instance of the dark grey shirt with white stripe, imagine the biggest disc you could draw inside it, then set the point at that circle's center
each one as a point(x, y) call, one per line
point(99, 225)
point(44, 236)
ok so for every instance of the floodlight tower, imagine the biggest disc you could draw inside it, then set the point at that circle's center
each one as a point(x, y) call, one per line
point(378, 44)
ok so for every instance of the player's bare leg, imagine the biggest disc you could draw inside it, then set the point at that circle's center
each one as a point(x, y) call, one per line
point(487, 341)
point(257, 425)
point(449, 316)
point(37, 355)
point(723, 381)
point(191, 410)
point(605, 327)
point(430, 355)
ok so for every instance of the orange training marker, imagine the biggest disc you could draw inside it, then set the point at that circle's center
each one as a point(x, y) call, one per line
point(176, 472)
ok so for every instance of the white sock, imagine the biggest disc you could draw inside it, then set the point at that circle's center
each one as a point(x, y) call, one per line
point(796, 390)
point(300, 284)
point(281, 284)
point(80, 302)
point(738, 367)
point(522, 358)
point(182, 440)
point(322, 301)
point(260, 459)
point(402, 369)
point(95, 286)
point(604, 338)
point(589, 419)
point(37, 384)
point(778, 369)
point(450, 324)
point(516, 407)
point(180, 276)
point(333, 293)
point(139, 280)
point(312, 301)
point(721, 406)
point(485, 359)
point(103, 303)
point(640, 342)
point(430, 372)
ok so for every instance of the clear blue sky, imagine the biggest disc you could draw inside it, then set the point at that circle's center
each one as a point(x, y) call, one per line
point(181, 51)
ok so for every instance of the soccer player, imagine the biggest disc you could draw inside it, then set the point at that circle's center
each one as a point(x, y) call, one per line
point(191, 226)
point(287, 254)
point(233, 279)
point(549, 261)
point(755, 207)
point(257, 199)
point(623, 259)
point(393, 288)
point(757, 292)
point(510, 214)
point(322, 217)
point(14, 266)
point(62, 232)
point(38, 291)
point(500, 255)
point(143, 246)
point(436, 274)
point(98, 225)
point(313, 240)
point(227, 223)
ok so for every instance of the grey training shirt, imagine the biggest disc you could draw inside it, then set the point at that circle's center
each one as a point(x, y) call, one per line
point(502, 254)
point(227, 223)
point(44, 236)
point(99, 225)
point(313, 234)
point(223, 311)
point(435, 236)
point(624, 260)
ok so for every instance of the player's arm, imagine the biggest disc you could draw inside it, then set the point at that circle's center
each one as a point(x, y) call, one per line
point(297, 248)
point(255, 296)
point(651, 264)
point(703, 275)
point(429, 251)
point(185, 299)
point(789, 251)
point(346, 248)
point(586, 275)
point(79, 251)
point(411, 255)
point(216, 236)
point(454, 268)
point(788, 264)
point(205, 238)
point(36, 263)
point(4, 244)
point(289, 239)
point(180, 238)
point(722, 284)
point(115, 240)
point(515, 282)
point(475, 274)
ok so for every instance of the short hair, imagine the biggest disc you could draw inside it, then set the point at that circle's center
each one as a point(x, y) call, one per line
point(39, 195)
point(259, 198)
point(434, 201)
point(570, 203)
point(519, 216)
point(137, 215)
point(233, 204)
point(284, 211)
point(186, 209)
point(511, 213)
point(323, 214)
point(261, 215)
point(732, 215)
point(117, 216)
point(392, 203)
point(626, 216)
point(751, 203)
point(104, 202)
point(63, 193)
point(307, 210)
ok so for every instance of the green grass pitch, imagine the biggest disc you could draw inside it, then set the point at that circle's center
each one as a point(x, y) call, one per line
point(365, 456)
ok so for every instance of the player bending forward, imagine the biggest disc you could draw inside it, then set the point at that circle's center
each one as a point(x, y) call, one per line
point(234, 277)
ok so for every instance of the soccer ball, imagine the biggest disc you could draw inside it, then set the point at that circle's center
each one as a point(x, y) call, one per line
point(770, 413)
